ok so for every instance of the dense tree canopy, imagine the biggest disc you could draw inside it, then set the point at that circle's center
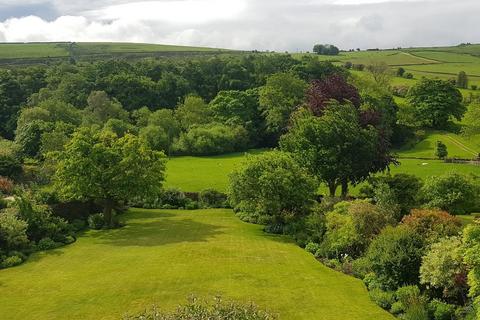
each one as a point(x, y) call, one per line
point(99, 166)
point(436, 102)
point(334, 147)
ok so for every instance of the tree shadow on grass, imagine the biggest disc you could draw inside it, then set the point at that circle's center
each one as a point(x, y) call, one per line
point(158, 232)
point(42, 254)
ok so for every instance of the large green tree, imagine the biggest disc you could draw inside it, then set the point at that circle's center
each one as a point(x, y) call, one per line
point(102, 167)
point(436, 102)
point(336, 148)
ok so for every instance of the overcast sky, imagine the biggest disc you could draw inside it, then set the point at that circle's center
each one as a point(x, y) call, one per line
point(293, 25)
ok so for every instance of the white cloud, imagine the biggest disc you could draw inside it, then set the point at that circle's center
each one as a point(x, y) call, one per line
point(176, 12)
point(253, 24)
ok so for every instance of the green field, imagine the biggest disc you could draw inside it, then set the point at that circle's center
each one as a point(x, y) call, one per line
point(161, 257)
point(457, 146)
point(194, 174)
point(18, 53)
point(441, 62)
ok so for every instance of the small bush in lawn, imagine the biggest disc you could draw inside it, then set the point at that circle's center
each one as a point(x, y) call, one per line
point(211, 198)
point(198, 310)
point(384, 299)
point(47, 244)
point(11, 261)
point(96, 221)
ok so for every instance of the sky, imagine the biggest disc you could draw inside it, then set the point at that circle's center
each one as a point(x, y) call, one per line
point(280, 25)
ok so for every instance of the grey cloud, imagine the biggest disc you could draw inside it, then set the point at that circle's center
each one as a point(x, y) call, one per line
point(280, 25)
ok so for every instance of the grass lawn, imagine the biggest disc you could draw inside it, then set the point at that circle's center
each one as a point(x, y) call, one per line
point(162, 256)
point(195, 174)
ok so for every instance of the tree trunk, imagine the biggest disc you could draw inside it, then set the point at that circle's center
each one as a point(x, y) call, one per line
point(344, 189)
point(332, 187)
point(107, 212)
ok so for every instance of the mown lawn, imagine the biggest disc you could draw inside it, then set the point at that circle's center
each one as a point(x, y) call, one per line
point(161, 257)
point(194, 174)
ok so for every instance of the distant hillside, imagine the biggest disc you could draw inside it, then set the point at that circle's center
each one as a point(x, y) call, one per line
point(434, 62)
point(35, 53)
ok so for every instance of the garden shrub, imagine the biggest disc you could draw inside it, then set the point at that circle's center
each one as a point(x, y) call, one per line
point(395, 257)
point(196, 309)
point(191, 205)
point(432, 225)
point(360, 267)
point(211, 198)
point(47, 244)
point(96, 221)
point(174, 198)
point(440, 310)
point(383, 299)
point(13, 231)
point(11, 261)
point(79, 224)
point(10, 166)
point(273, 187)
point(452, 192)
point(312, 247)
point(416, 312)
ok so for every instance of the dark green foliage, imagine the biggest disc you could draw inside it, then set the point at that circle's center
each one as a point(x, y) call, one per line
point(47, 244)
point(218, 309)
point(462, 80)
point(400, 72)
point(28, 137)
point(174, 198)
point(10, 166)
point(12, 95)
point(211, 198)
point(404, 191)
point(441, 151)
point(441, 310)
point(326, 49)
point(395, 257)
point(436, 102)
point(239, 108)
point(383, 299)
point(96, 221)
